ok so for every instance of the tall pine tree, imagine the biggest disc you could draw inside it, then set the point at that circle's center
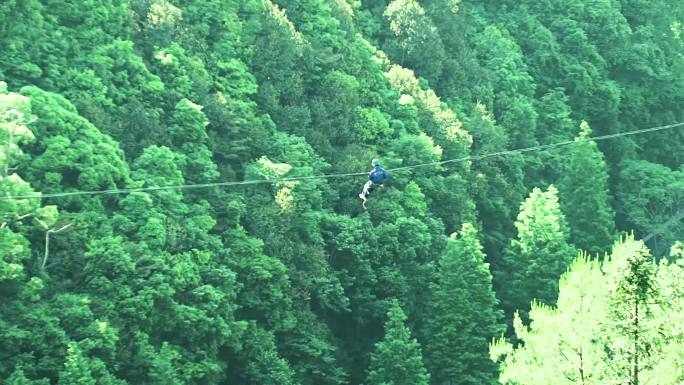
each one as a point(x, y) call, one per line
point(633, 341)
point(583, 190)
point(463, 317)
point(534, 261)
point(397, 359)
point(164, 369)
point(77, 368)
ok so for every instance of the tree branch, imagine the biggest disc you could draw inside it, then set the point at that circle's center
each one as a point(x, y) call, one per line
point(47, 242)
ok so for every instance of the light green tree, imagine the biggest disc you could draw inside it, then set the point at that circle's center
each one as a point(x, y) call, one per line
point(616, 322)
point(534, 261)
point(670, 318)
point(633, 340)
point(559, 346)
point(77, 368)
point(15, 115)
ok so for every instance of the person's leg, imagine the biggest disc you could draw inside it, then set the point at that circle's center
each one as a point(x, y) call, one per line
point(367, 189)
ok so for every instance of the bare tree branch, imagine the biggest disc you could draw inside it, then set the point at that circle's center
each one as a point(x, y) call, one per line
point(47, 242)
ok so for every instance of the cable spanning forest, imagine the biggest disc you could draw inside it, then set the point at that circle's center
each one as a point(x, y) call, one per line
point(557, 266)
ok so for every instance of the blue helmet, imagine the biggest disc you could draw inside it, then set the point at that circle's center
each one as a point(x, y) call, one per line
point(375, 163)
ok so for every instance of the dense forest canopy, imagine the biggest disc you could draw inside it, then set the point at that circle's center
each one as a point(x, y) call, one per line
point(562, 265)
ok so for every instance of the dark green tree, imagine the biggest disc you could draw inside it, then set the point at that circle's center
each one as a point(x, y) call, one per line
point(70, 152)
point(262, 363)
point(655, 207)
point(277, 62)
point(397, 359)
point(18, 378)
point(584, 195)
point(463, 315)
point(188, 135)
point(412, 40)
point(511, 104)
point(21, 64)
point(164, 368)
point(497, 185)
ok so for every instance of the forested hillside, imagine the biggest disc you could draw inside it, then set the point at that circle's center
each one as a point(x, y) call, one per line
point(555, 265)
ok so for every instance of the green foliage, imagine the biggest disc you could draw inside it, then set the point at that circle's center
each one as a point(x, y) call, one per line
point(14, 249)
point(511, 105)
point(15, 110)
point(21, 59)
point(76, 368)
point(135, 92)
point(560, 340)
point(188, 135)
point(497, 186)
point(613, 324)
point(265, 284)
point(276, 61)
point(184, 76)
point(654, 207)
point(163, 367)
point(397, 358)
point(438, 122)
point(463, 312)
point(18, 378)
point(288, 282)
point(371, 124)
point(414, 39)
point(538, 257)
point(264, 365)
point(310, 347)
point(635, 342)
point(70, 152)
point(14, 246)
point(584, 196)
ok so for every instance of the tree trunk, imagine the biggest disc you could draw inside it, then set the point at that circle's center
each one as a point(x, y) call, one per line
point(635, 367)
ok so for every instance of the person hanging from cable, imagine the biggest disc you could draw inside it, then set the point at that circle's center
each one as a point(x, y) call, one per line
point(376, 178)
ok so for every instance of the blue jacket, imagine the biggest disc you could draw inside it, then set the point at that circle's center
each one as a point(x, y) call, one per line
point(378, 175)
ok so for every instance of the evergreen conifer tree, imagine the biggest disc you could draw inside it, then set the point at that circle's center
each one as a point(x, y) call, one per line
point(189, 137)
point(633, 343)
point(77, 368)
point(534, 261)
point(163, 371)
point(463, 317)
point(397, 359)
point(18, 378)
point(583, 190)
point(413, 40)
